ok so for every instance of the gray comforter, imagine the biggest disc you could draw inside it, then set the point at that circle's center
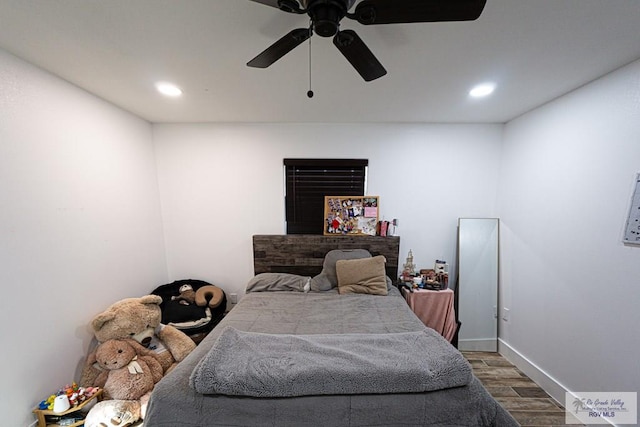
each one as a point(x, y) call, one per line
point(174, 403)
point(273, 365)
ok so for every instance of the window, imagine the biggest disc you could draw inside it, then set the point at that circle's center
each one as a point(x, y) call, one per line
point(307, 181)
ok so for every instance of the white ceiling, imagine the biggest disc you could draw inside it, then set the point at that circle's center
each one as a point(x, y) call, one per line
point(535, 50)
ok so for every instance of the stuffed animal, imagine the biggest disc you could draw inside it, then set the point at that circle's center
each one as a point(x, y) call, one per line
point(187, 295)
point(113, 413)
point(130, 370)
point(138, 318)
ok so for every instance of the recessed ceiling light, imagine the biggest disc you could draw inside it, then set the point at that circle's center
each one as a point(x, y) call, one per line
point(482, 90)
point(168, 89)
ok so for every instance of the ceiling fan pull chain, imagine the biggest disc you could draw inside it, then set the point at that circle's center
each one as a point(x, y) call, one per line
point(310, 92)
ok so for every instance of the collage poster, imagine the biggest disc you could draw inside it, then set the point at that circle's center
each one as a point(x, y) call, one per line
point(351, 215)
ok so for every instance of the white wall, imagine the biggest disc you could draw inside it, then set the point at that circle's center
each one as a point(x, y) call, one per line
point(80, 227)
point(222, 183)
point(571, 284)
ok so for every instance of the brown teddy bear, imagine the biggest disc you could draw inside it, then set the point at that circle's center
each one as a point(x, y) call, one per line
point(138, 318)
point(130, 370)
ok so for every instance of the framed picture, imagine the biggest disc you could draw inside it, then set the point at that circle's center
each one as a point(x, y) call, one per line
point(351, 215)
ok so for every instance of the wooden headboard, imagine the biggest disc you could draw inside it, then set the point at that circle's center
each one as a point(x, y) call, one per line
point(303, 254)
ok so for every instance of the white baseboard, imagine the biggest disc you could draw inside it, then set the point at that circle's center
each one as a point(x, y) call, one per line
point(544, 380)
point(549, 384)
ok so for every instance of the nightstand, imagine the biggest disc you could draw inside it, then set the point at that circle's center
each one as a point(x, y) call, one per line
point(434, 308)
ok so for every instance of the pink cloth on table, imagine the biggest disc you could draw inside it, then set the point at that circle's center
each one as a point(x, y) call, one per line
point(435, 309)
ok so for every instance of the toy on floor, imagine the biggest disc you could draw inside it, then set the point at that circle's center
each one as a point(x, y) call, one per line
point(113, 413)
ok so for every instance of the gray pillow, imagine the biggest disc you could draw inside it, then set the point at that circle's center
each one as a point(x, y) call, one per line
point(274, 282)
point(327, 279)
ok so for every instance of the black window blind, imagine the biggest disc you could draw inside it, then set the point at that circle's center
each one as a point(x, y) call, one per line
point(308, 181)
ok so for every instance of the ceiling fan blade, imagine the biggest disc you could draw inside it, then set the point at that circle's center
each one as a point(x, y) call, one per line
point(291, 6)
point(373, 12)
point(359, 55)
point(272, 3)
point(280, 48)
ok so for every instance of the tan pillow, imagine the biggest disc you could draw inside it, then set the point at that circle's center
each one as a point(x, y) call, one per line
point(362, 276)
point(327, 279)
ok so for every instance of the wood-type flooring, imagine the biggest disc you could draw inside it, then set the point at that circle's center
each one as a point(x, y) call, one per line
point(529, 404)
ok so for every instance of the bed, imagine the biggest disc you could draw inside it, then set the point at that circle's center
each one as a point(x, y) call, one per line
point(291, 354)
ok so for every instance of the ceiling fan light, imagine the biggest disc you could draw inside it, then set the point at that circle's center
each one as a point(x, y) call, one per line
point(482, 90)
point(326, 16)
point(168, 89)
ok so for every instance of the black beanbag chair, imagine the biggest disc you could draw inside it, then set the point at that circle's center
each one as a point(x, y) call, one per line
point(187, 315)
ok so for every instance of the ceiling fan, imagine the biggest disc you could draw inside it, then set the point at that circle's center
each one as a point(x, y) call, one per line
point(326, 15)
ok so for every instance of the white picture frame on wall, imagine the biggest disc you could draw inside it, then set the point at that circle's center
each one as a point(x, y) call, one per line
point(632, 228)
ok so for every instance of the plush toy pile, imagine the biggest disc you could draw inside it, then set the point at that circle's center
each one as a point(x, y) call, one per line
point(134, 353)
